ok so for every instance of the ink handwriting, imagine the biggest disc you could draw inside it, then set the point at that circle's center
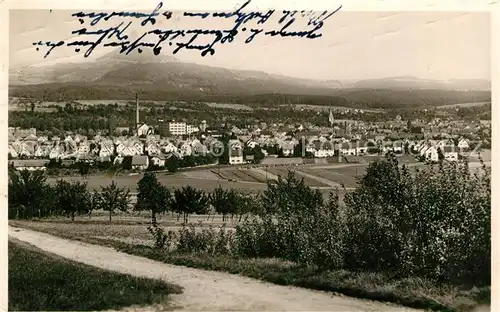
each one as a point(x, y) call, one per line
point(247, 24)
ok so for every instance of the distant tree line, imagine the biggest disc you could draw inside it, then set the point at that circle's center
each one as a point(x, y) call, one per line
point(358, 98)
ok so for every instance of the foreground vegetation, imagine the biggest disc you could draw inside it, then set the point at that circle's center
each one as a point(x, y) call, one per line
point(411, 292)
point(422, 239)
point(44, 282)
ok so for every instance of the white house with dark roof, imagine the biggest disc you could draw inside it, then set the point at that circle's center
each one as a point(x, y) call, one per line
point(463, 144)
point(106, 149)
point(185, 149)
point(431, 153)
point(153, 148)
point(347, 148)
point(168, 148)
point(158, 160)
point(287, 148)
point(13, 152)
point(143, 129)
point(450, 153)
point(236, 156)
point(322, 149)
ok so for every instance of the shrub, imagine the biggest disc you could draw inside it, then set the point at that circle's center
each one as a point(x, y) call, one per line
point(210, 241)
point(162, 240)
point(434, 223)
point(72, 198)
point(29, 195)
point(189, 200)
point(302, 228)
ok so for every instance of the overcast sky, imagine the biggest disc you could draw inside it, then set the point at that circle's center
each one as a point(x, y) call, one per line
point(355, 45)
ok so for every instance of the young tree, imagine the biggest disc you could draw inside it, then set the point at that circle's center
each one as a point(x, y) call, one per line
point(224, 201)
point(83, 168)
point(94, 202)
point(29, 195)
point(113, 198)
point(152, 196)
point(72, 198)
point(127, 163)
point(288, 195)
point(189, 200)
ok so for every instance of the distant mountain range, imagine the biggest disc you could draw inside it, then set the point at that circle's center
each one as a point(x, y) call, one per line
point(166, 73)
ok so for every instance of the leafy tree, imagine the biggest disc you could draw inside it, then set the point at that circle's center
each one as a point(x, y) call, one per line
point(72, 198)
point(248, 204)
point(83, 168)
point(290, 194)
point(112, 198)
point(172, 164)
point(297, 149)
point(258, 155)
point(127, 163)
point(256, 152)
point(152, 196)
point(29, 195)
point(189, 200)
point(428, 223)
point(225, 201)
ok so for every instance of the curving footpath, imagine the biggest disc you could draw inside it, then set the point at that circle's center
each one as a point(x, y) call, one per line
point(203, 290)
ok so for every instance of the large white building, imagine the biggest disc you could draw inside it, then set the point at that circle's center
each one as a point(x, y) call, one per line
point(177, 127)
point(181, 128)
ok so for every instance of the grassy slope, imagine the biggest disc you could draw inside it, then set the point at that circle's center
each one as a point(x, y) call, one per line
point(45, 282)
point(416, 292)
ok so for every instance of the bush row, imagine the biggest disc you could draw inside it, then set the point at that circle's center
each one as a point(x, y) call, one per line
point(432, 223)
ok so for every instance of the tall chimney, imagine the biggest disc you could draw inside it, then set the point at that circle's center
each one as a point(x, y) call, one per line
point(137, 109)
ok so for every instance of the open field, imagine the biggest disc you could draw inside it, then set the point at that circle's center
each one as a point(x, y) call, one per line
point(242, 175)
point(14, 108)
point(462, 105)
point(40, 281)
point(326, 108)
point(348, 180)
point(229, 106)
point(326, 177)
point(171, 181)
point(281, 171)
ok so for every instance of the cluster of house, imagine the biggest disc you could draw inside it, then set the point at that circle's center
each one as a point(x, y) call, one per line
point(430, 149)
point(150, 148)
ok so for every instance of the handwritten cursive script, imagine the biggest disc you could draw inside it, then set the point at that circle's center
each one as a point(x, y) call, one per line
point(93, 34)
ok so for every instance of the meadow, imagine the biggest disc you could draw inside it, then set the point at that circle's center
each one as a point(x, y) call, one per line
point(39, 281)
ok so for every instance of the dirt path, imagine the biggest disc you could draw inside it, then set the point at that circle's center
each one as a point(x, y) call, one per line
point(203, 290)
